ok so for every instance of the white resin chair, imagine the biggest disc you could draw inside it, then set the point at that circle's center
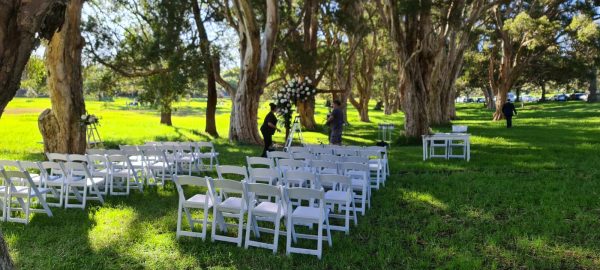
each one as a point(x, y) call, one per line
point(226, 205)
point(361, 185)
point(321, 151)
point(341, 195)
point(158, 167)
point(54, 174)
point(290, 165)
point(196, 202)
point(303, 156)
point(297, 149)
point(98, 166)
point(82, 185)
point(34, 170)
point(384, 152)
point(300, 178)
point(376, 165)
point(313, 213)
point(57, 157)
point(206, 150)
point(23, 192)
point(122, 175)
point(264, 175)
point(331, 158)
point(272, 211)
point(275, 155)
point(232, 172)
point(344, 152)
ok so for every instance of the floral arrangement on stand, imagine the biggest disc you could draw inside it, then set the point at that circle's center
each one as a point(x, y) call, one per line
point(89, 119)
point(292, 93)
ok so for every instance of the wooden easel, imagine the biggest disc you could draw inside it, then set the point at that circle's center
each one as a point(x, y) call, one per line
point(93, 137)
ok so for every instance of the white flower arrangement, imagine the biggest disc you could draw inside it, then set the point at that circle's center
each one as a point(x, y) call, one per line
point(290, 94)
point(89, 119)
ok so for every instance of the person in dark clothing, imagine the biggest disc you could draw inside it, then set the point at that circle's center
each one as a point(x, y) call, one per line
point(509, 110)
point(268, 128)
point(335, 121)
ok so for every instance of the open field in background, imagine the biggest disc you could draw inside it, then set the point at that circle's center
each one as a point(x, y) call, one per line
point(529, 198)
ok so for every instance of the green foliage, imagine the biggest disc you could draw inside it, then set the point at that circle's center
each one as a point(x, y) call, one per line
point(537, 31)
point(34, 76)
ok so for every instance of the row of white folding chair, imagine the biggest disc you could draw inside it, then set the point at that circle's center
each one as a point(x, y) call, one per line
point(201, 151)
point(346, 151)
point(18, 193)
point(219, 198)
point(122, 170)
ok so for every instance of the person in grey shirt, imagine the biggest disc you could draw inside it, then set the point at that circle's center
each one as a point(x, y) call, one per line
point(335, 121)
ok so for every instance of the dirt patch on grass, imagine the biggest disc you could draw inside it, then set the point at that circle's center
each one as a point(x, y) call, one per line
point(24, 111)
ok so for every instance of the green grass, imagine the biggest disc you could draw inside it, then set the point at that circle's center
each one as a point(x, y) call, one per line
point(529, 198)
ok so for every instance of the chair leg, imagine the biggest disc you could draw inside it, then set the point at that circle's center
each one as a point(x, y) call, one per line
point(288, 240)
point(320, 239)
point(248, 229)
point(240, 230)
point(178, 220)
point(276, 234)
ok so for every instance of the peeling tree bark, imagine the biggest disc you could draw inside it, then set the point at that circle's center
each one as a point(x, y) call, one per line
point(61, 126)
point(20, 21)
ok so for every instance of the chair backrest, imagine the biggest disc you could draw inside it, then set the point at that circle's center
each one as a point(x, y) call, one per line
point(356, 159)
point(320, 166)
point(146, 147)
point(351, 166)
point(371, 154)
point(260, 161)
point(202, 146)
point(57, 157)
point(297, 149)
point(95, 151)
point(340, 182)
point(155, 156)
point(345, 152)
point(225, 171)
point(128, 147)
point(77, 158)
point(97, 162)
point(279, 154)
point(77, 169)
point(301, 175)
point(19, 178)
point(30, 165)
point(321, 151)
point(312, 145)
point(331, 158)
point(290, 164)
point(51, 168)
point(254, 189)
point(113, 152)
point(226, 187)
point(305, 194)
point(303, 156)
point(9, 165)
point(266, 174)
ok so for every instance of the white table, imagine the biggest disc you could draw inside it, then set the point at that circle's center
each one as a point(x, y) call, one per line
point(448, 138)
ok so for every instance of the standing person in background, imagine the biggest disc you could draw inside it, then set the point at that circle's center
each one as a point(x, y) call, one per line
point(335, 121)
point(508, 109)
point(268, 128)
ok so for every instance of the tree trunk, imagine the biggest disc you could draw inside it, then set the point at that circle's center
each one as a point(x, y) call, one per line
point(20, 23)
point(211, 102)
point(543, 85)
point(593, 88)
point(518, 94)
point(489, 97)
point(244, 124)
point(165, 117)
point(501, 97)
point(306, 110)
point(61, 126)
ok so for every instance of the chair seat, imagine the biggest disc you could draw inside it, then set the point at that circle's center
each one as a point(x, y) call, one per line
point(232, 204)
point(158, 165)
point(336, 196)
point(207, 155)
point(307, 213)
point(267, 208)
point(24, 191)
point(328, 171)
point(82, 183)
point(197, 201)
point(137, 163)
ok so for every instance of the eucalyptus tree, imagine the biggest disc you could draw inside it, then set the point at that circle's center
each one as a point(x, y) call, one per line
point(22, 26)
point(257, 26)
point(585, 42)
point(150, 40)
point(430, 38)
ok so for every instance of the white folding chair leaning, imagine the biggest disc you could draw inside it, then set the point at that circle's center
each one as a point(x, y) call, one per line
point(313, 213)
point(197, 201)
point(22, 188)
point(341, 195)
point(82, 185)
point(272, 211)
point(227, 206)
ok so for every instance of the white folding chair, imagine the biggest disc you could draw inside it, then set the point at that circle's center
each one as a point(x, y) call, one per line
point(376, 165)
point(206, 150)
point(128, 147)
point(57, 157)
point(317, 151)
point(254, 162)
point(34, 170)
point(98, 166)
point(331, 158)
point(122, 174)
point(323, 167)
point(225, 205)
point(300, 178)
point(341, 195)
point(187, 158)
point(272, 211)
point(158, 167)
point(384, 152)
point(313, 213)
point(82, 185)
point(344, 152)
point(54, 174)
point(137, 162)
point(264, 175)
point(197, 201)
point(361, 185)
point(95, 151)
point(10, 165)
point(3, 193)
point(290, 165)
point(24, 191)
point(304, 156)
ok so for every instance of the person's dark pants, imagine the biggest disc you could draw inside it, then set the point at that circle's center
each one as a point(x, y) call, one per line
point(508, 121)
point(335, 137)
point(268, 142)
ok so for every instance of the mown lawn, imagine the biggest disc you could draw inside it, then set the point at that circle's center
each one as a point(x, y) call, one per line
point(529, 198)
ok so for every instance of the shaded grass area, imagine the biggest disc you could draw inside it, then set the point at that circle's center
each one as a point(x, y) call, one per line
point(528, 199)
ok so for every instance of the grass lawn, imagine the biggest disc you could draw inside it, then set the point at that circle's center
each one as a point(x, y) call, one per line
point(529, 198)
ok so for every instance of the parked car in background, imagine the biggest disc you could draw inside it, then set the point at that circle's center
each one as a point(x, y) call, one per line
point(560, 97)
point(528, 98)
point(480, 100)
point(578, 96)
